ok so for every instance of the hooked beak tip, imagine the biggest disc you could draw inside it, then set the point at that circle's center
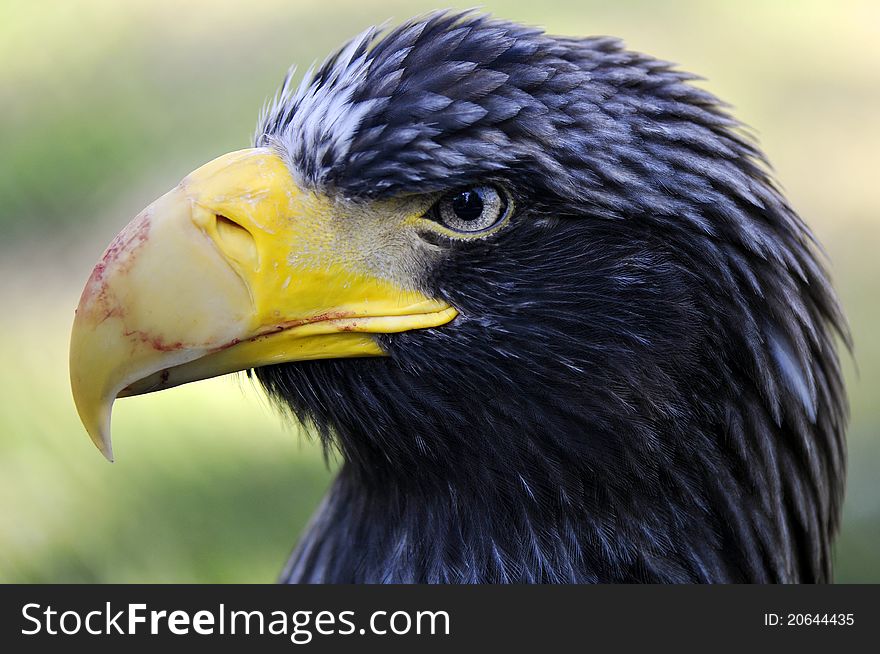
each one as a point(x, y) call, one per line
point(107, 451)
point(97, 425)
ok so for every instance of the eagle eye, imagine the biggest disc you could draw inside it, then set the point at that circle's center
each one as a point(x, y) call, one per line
point(471, 210)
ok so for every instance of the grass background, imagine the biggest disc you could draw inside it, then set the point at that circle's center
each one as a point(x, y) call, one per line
point(105, 105)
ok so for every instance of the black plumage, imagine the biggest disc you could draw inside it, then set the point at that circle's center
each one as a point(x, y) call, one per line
point(642, 383)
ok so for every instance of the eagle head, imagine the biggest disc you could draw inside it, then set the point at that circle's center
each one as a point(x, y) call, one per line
point(541, 293)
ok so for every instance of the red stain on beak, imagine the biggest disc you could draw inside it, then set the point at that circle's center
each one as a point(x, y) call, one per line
point(119, 253)
point(118, 257)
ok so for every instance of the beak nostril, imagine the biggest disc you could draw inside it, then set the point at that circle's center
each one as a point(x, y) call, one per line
point(224, 223)
point(237, 241)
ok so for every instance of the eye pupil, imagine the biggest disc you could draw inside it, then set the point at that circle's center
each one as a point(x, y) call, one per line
point(467, 205)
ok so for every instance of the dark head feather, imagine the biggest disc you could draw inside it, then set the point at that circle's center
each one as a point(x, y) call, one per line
point(642, 384)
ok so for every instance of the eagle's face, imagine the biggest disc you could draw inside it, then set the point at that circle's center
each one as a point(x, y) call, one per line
point(469, 244)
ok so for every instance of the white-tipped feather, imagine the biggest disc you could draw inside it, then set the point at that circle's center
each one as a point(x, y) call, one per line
point(320, 115)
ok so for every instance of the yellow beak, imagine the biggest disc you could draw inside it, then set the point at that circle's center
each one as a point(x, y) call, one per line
point(235, 268)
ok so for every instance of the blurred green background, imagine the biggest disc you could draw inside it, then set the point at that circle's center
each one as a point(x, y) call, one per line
point(105, 105)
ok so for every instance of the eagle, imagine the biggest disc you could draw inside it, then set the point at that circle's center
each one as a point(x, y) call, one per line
point(541, 295)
